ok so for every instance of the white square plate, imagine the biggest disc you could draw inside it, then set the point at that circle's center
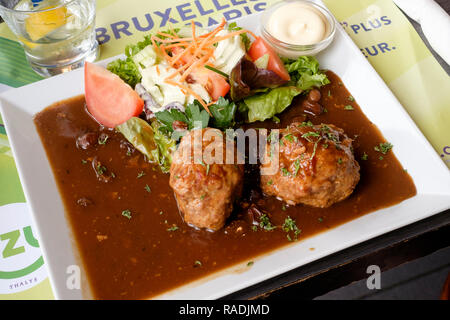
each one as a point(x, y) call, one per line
point(431, 176)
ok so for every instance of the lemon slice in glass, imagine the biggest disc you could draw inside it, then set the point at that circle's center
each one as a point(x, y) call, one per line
point(39, 24)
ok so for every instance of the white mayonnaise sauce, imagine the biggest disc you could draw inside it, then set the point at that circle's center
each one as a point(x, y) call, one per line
point(298, 24)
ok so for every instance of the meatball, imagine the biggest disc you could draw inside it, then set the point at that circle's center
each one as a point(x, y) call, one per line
point(316, 165)
point(206, 187)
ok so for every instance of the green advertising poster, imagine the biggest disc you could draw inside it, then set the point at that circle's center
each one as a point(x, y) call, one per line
point(378, 28)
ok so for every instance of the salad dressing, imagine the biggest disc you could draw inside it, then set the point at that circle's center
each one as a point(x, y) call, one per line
point(298, 24)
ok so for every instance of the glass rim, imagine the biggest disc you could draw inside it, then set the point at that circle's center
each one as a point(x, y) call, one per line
point(34, 11)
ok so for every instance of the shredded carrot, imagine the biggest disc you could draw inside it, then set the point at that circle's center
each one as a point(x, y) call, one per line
point(178, 71)
point(218, 28)
point(157, 70)
point(173, 31)
point(193, 66)
point(166, 35)
point(164, 52)
point(193, 31)
point(230, 35)
point(182, 53)
point(178, 44)
point(155, 46)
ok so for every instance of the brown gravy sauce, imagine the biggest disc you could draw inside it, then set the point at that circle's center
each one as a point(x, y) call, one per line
point(139, 257)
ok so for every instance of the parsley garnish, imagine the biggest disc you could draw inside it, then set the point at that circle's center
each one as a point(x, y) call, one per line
point(173, 228)
point(264, 223)
point(340, 161)
point(100, 169)
point(194, 114)
point(269, 183)
point(306, 124)
point(126, 213)
point(325, 128)
point(147, 188)
point(383, 147)
point(333, 137)
point(83, 161)
point(289, 137)
point(197, 263)
point(285, 172)
point(140, 174)
point(289, 225)
point(102, 140)
point(297, 166)
point(365, 156)
point(350, 98)
point(315, 149)
point(250, 263)
point(310, 134)
point(223, 112)
point(349, 107)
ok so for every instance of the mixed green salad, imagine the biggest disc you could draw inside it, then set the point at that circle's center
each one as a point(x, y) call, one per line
point(182, 79)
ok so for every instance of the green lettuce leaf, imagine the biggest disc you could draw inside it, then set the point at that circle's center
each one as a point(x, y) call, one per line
point(305, 73)
point(133, 49)
point(126, 70)
point(266, 105)
point(149, 140)
point(245, 39)
point(166, 147)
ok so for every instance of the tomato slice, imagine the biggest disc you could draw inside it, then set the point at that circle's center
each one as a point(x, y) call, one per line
point(259, 48)
point(216, 85)
point(108, 98)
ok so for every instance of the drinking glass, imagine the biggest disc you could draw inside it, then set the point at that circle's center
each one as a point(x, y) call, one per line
point(57, 35)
